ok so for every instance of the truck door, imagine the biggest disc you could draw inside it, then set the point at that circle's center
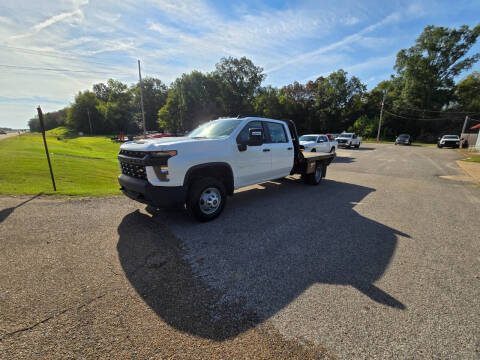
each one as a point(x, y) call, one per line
point(281, 149)
point(323, 144)
point(252, 165)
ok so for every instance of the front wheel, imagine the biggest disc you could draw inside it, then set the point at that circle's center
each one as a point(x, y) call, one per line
point(314, 150)
point(206, 199)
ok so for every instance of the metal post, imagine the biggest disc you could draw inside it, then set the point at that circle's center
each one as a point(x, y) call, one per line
point(464, 125)
point(381, 114)
point(42, 125)
point(141, 100)
point(89, 121)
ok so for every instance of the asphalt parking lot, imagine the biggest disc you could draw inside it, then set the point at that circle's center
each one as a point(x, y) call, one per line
point(382, 260)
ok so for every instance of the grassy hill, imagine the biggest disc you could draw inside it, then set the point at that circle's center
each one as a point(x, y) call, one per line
point(83, 166)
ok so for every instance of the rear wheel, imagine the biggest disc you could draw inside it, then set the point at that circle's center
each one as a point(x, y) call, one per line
point(314, 150)
point(332, 150)
point(357, 146)
point(316, 177)
point(206, 199)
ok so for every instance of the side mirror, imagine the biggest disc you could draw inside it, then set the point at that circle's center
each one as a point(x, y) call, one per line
point(242, 147)
point(255, 137)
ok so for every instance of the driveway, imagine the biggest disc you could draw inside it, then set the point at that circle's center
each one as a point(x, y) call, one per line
point(379, 261)
point(8, 135)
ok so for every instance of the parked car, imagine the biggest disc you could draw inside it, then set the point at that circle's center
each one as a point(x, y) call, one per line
point(201, 169)
point(348, 140)
point(3, 132)
point(449, 141)
point(157, 135)
point(404, 139)
point(318, 142)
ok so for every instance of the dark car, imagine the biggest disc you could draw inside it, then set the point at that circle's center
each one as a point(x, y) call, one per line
point(2, 132)
point(404, 139)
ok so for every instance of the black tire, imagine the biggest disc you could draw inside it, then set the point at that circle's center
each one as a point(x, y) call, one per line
point(332, 150)
point(314, 150)
point(357, 146)
point(316, 177)
point(439, 146)
point(201, 188)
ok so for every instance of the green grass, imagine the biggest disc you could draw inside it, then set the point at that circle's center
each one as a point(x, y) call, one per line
point(83, 166)
point(473, 159)
point(60, 131)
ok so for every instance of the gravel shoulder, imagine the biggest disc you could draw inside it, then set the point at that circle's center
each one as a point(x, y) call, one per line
point(370, 264)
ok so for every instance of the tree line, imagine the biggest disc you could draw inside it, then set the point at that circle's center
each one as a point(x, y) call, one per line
point(420, 98)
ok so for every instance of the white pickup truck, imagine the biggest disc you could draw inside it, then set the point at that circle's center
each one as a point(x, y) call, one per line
point(318, 142)
point(222, 155)
point(348, 140)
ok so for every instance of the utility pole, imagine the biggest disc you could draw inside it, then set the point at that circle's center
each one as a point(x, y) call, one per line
point(464, 125)
point(89, 121)
point(42, 126)
point(381, 114)
point(141, 100)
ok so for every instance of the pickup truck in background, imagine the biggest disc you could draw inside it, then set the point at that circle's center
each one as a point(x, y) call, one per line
point(202, 168)
point(348, 140)
point(318, 143)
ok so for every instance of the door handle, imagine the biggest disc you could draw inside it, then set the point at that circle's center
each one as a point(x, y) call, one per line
point(265, 150)
point(290, 148)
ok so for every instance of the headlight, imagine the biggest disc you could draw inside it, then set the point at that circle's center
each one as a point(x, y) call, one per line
point(167, 153)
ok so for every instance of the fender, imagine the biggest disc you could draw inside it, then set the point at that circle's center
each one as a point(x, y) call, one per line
point(214, 165)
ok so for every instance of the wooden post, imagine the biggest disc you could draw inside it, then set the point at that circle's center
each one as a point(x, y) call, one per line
point(42, 126)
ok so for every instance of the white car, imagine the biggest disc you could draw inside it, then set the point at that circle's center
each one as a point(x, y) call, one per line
point(449, 141)
point(348, 140)
point(318, 143)
point(208, 164)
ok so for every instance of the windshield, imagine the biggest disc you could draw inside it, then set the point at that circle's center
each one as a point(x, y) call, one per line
point(346, 135)
point(308, 138)
point(403, 136)
point(451, 137)
point(215, 129)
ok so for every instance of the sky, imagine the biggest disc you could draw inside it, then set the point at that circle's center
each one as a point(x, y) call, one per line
point(51, 50)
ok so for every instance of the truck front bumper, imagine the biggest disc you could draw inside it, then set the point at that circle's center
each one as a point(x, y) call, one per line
point(157, 196)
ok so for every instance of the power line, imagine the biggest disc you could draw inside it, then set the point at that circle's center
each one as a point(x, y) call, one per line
point(58, 70)
point(52, 55)
point(418, 119)
point(439, 111)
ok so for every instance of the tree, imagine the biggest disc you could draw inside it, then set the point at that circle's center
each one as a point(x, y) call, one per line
point(240, 80)
point(338, 100)
point(192, 99)
point(154, 98)
point(427, 69)
point(78, 114)
point(267, 103)
point(468, 92)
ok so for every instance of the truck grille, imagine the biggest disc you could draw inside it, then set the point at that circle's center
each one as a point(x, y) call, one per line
point(135, 154)
point(134, 170)
point(341, 141)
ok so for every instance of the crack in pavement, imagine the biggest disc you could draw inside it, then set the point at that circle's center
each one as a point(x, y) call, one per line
point(27, 328)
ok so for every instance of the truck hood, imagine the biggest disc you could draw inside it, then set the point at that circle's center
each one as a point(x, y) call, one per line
point(168, 143)
point(307, 143)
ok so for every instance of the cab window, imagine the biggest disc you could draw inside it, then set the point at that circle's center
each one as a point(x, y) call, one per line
point(276, 132)
point(242, 137)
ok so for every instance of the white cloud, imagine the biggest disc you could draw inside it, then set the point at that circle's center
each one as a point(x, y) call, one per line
point(336, 45)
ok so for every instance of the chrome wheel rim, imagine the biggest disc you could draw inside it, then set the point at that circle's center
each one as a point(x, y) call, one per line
point(318, 173)
point(210, 200)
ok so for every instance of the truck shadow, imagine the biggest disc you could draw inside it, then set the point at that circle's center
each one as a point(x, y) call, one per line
point(218, 279)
